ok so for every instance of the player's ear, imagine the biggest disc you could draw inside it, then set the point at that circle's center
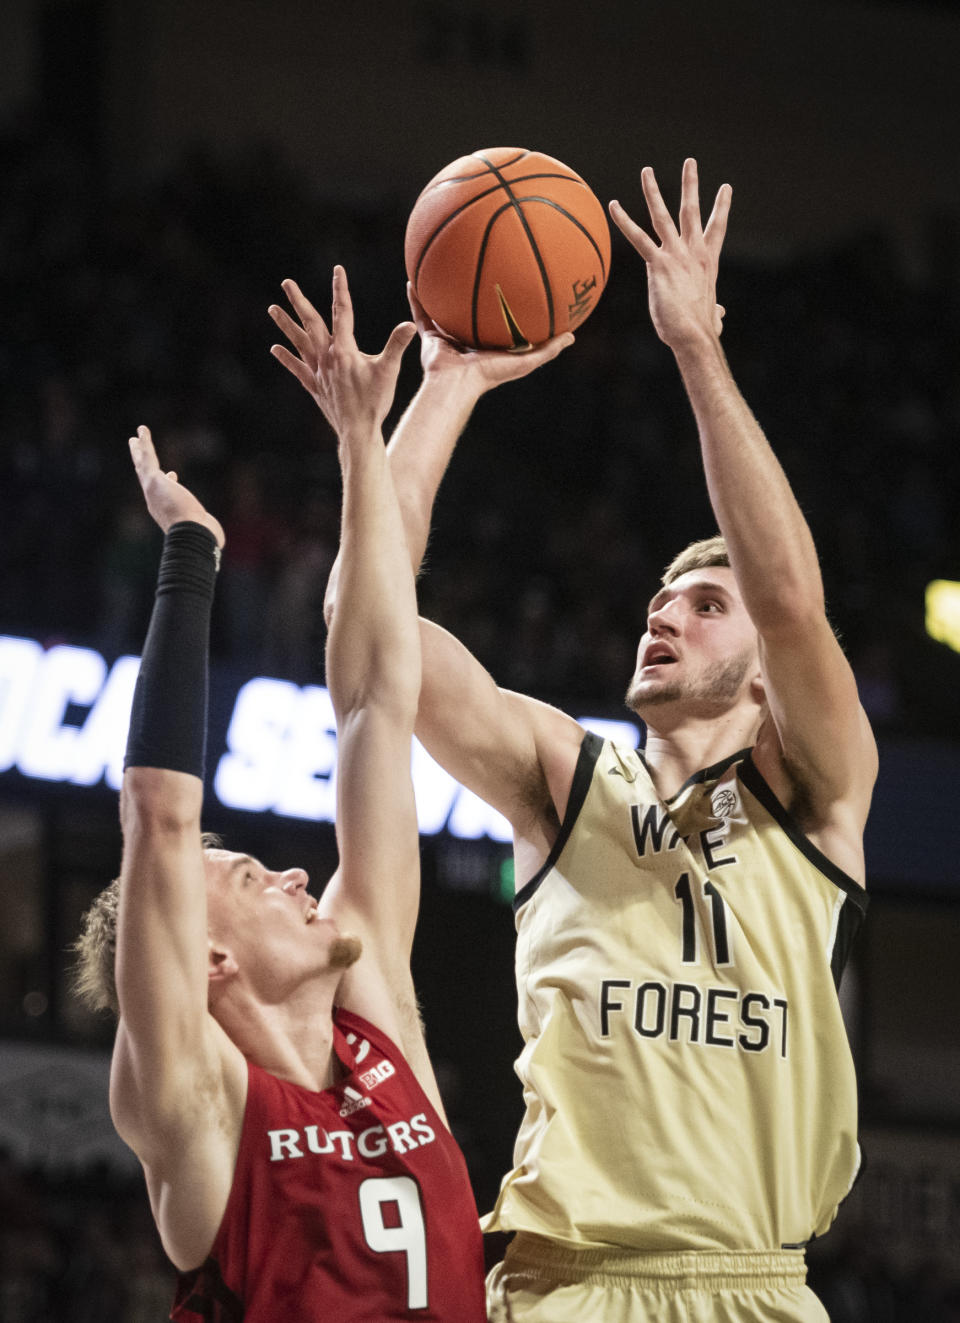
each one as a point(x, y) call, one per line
point(221, 964)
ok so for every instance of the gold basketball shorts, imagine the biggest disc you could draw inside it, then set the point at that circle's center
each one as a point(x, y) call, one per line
point(542, 1281)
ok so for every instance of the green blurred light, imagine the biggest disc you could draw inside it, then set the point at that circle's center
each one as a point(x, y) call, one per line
point(943, 612)
point(505, 881)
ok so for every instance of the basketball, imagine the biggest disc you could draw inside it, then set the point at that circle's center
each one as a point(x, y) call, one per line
point(506, 248)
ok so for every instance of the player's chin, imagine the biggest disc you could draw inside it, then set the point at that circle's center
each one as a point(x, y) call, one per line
point(345, 950)
point(645, 694)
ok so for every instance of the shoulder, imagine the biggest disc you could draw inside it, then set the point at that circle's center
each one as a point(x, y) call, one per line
point(833, 824)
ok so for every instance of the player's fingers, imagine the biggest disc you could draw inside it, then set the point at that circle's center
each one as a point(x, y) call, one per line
point(313, 323)
point(417, 310)
point(659, 215)
point(644, 245)
point(690, 227)
point(143, 454)
point(393, 350)
point(545, 352)
point(717, 224)
point(297, 336)
point(342, 319)
point(296, 366)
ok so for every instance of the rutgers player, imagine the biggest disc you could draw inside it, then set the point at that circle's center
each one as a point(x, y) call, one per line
point(270, 1069)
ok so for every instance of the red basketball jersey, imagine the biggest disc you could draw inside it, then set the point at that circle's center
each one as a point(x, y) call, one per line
point(351, 1204)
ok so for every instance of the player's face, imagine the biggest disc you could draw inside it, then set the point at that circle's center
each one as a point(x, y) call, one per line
point(269, 921)
point(700, 650)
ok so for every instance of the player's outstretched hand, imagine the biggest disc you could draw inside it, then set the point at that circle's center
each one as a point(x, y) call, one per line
point(354, 391)
point(167, 500)
point(682, 267)
point(484, 368)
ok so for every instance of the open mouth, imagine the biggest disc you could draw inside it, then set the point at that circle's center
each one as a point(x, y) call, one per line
point(658, 657)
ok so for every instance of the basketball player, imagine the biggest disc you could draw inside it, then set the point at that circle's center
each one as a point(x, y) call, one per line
point(270, 1070)
point(683, 913)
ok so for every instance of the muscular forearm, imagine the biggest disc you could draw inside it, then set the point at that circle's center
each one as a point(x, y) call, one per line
point(373, 648)
point(421, 447)
point(419, 451)
point(770, 546)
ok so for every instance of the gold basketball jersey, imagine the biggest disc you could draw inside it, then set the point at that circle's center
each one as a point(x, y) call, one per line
point(686, 1072)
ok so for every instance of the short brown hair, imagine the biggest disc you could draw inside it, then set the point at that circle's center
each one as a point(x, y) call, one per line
point(95, 971)
point(697, 556)
point(94, 975)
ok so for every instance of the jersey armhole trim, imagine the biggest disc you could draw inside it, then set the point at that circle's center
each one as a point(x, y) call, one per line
point(203, 1294)
point(590, 749)
point(751, 778)
point(365, 1029)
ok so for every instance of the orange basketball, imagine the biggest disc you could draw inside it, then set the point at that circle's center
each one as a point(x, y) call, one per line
point(506, 248)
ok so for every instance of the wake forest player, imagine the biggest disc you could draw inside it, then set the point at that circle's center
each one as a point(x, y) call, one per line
point(683, 913)
point(270, 1070)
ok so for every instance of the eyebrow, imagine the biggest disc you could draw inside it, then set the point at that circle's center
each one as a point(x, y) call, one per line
point(244, 861)
point(701, 586)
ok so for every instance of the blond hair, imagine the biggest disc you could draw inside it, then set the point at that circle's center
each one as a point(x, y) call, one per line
point(697, 556)
point(95, 971)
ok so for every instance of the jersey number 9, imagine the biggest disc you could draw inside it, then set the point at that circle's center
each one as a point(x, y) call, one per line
point(407, 1237)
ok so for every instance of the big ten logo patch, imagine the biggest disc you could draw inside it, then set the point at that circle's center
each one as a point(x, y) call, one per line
point(377, 1074)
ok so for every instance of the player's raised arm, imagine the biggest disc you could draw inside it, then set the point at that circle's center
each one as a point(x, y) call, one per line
point(373, 647)
point(454, 378)
point(487, 739)
point(170, 1083)
point(822, 737)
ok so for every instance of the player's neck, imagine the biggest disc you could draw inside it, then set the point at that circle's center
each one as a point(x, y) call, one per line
point(676, 750)
point(292, 1039)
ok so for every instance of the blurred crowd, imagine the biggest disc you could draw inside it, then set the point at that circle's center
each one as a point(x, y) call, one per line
point(146, 302)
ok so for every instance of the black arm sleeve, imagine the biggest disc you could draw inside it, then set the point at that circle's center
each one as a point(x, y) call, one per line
point(168, 719)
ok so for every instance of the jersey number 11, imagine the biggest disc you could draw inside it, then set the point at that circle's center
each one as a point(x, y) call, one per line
point(721, 944)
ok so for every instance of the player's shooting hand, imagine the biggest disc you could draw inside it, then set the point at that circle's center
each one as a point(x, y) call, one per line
point(167, 501)
point(682, 267)
point(482, 369)
point(353, 390)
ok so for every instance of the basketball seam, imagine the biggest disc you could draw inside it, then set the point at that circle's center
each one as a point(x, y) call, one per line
point(520, 179)
point(549, 202)
point(469, 203)
point(456, 179)
point(533, 244)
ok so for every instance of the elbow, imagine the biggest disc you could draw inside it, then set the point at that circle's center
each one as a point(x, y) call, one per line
point(393, 699)
point(155, 802)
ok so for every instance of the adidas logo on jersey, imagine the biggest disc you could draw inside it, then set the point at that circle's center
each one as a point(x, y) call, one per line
point(353, 1101)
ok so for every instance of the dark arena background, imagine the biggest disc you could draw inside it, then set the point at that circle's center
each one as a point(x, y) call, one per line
point(163, 165)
